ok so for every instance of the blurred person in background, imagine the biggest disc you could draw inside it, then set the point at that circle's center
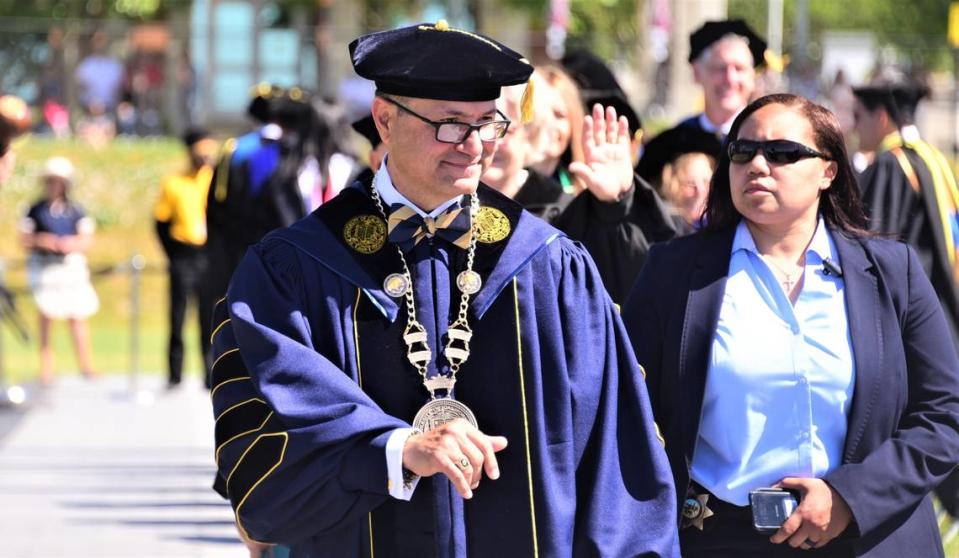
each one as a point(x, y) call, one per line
point(724, 56)
point(366, 128)
point(245, 162)
point(910, 191)
point(842, 102)
point(180, 215)
point(14, 120)
point(143, 85)
point(52, 85)
point(616, 225)
point(275, 176)
point(538, 193)
point(679, 163)
point(556, 141)
point(99, 77)
point(57, 232)
point(97, 127)
point(598, 84)
point(619, 215)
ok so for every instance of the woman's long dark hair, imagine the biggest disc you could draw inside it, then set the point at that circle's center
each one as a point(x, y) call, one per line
point(840, 205)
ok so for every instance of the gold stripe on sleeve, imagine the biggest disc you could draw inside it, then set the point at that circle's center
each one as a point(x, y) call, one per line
point(225, 382)
point(282, 453)
point(217, 329)
point(240, 435)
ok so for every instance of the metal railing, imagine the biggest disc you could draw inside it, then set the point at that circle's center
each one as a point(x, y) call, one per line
point(133, 267)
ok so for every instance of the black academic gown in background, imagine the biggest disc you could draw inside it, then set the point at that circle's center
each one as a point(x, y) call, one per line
point(905, 205)
point(251, 194)
point(312, 378)
point(618, 234)
point(543, 196)
point(895, 206)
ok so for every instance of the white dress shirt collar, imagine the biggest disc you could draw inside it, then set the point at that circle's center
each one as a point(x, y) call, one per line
point(723, 128)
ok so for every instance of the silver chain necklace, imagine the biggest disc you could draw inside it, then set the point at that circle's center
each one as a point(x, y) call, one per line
point(438, 410)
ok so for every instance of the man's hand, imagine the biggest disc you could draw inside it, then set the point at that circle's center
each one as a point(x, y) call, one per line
point(822, 515)
point(457, 450)
point(256, 549)
point(607, 167)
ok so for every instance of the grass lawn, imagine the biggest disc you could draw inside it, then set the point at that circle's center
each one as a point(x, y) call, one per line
point(117, 186)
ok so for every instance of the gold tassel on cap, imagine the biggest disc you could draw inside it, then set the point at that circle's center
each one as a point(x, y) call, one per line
point(526, 104)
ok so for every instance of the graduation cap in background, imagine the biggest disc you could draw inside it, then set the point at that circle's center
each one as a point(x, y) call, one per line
point(670, 145)
point(367, 128)
point(439, 62)
point(260, 96)
point(900, 98)
point(269, 103)
point(597, 84)
point(712, 31)
point(292, 108)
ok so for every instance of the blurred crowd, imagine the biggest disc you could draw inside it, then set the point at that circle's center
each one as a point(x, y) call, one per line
point(113, 95)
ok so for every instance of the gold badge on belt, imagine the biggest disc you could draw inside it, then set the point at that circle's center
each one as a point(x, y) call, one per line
point(695, 510)
point(492, 225)
point(365, 233)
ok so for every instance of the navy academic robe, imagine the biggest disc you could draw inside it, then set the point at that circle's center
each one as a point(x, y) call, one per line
point(301, 437)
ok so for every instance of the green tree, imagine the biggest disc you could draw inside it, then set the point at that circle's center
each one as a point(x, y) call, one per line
point(916, 28)
point(607, 27)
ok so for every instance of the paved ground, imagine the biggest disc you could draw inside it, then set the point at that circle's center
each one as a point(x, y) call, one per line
point(89, 470)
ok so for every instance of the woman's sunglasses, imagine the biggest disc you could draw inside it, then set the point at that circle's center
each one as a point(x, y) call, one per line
point(776, 151)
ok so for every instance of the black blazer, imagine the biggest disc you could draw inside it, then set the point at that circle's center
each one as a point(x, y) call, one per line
point(903, 432)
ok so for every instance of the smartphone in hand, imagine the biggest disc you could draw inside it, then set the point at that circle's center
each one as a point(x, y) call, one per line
point(771, 507)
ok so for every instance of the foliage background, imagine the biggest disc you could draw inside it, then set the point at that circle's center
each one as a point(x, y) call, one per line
point(917, 28)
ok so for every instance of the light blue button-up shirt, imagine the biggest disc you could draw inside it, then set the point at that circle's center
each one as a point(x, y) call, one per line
point(780, 379)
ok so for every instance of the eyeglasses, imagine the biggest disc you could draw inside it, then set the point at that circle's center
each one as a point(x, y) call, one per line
point(457, 132)
point(776, 151)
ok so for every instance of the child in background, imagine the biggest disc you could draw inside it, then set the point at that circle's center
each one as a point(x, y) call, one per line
point(57, 233)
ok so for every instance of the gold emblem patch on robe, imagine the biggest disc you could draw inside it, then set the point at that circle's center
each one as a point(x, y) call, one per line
point(492, 225)
point(365, 233)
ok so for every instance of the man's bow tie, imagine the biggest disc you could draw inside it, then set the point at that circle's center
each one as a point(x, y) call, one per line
point(407, 227)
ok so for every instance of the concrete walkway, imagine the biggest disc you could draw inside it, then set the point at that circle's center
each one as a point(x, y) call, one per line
point(92, 470)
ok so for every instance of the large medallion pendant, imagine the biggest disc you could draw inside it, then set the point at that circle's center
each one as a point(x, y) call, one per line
point(440, 411)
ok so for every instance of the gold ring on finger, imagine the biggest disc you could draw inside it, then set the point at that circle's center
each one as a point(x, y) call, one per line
point(463, 463)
